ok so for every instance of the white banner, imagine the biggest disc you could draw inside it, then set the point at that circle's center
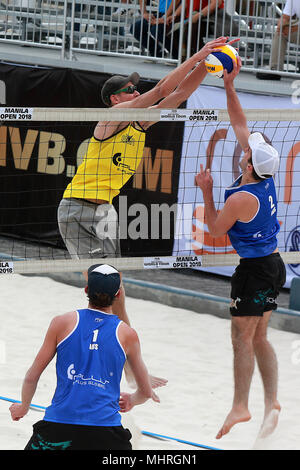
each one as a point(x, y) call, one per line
point(215, 144)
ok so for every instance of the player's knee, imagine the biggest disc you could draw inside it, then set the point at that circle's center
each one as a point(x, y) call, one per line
point(241, 335)
point(260, 339)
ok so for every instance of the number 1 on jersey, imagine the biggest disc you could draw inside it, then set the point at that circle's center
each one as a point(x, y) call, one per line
point(93, 344)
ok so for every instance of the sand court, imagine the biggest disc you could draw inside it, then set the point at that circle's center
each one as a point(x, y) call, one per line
point(193, 351)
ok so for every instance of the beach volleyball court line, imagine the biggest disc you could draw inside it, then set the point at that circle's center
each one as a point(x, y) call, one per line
point(161, 436)
point(146, 433)
point(32, 405)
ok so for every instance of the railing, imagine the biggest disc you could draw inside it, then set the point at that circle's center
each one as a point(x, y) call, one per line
point(115, 29)
point(258, 22)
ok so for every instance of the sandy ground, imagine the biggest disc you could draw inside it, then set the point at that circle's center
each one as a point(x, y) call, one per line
point(193, 351)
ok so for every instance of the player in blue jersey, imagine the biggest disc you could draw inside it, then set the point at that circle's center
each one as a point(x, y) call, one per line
point(249, 216)
point(91, 346)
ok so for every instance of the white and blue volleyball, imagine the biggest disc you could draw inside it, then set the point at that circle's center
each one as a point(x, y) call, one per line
point(221, 59)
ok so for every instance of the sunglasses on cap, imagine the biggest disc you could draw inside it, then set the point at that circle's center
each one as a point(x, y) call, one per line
point(130, 89)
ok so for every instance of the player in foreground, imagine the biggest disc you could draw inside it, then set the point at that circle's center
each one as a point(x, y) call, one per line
point(91, 345)
point(249, 216)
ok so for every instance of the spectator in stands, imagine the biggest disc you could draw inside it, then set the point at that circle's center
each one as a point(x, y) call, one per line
point(206, 21)
point(121, 11)
point(286, 31)
point(150, 30)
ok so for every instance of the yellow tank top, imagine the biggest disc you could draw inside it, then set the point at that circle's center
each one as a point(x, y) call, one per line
point(108, 165)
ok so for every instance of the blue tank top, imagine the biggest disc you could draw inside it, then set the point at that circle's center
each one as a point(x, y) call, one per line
point(258, 237)
point(89, 367)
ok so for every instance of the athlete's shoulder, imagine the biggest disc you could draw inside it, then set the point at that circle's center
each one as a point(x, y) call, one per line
point(62, 324)
point(64, 317)
point(105, 130)
point(127, 330)
point(127, 336)
point(239, 197)
point(243, 204)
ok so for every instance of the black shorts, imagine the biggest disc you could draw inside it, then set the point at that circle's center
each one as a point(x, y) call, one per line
point(255, 285)
point(58, 436)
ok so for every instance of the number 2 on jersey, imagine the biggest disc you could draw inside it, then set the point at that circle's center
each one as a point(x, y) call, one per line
point(273, 208)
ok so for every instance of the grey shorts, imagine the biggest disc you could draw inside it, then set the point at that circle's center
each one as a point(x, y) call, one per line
point(89, 230)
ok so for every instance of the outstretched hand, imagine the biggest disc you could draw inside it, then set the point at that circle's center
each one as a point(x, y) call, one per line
point(229, 77)
point(127, 401)
point(213, 46)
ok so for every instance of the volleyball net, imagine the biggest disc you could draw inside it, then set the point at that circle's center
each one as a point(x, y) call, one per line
point(160, 218)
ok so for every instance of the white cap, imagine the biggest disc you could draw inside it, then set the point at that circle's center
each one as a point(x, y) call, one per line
point(265, 158)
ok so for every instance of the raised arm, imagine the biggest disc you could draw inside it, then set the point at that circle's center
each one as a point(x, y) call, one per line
point(218, 222)
point(189, 81)
point(236, 114)
point(164, 88)
point(185, 89)
point(175, 78)
point(169, 83)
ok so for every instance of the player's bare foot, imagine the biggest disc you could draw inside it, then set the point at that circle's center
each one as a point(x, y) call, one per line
point(236, 415)
point(270, 422)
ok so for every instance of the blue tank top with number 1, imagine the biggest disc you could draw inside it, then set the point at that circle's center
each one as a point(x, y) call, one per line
point(258, 237)
point(89, 367)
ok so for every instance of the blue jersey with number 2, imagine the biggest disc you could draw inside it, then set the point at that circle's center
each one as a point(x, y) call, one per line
point(258, 237)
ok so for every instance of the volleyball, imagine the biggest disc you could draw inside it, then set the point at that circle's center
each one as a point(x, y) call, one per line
point(221, 59)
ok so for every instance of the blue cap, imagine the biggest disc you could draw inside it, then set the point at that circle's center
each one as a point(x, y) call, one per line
point(103, 279)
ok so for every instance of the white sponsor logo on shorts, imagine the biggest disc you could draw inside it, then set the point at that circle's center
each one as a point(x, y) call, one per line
point(234, 302)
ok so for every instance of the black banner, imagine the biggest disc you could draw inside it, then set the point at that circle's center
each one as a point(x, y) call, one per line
point(38, 160)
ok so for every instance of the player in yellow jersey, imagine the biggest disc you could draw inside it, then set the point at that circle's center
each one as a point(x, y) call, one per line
point(87, 220)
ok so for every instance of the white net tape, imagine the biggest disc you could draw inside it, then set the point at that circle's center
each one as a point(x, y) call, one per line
point(24, 258)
